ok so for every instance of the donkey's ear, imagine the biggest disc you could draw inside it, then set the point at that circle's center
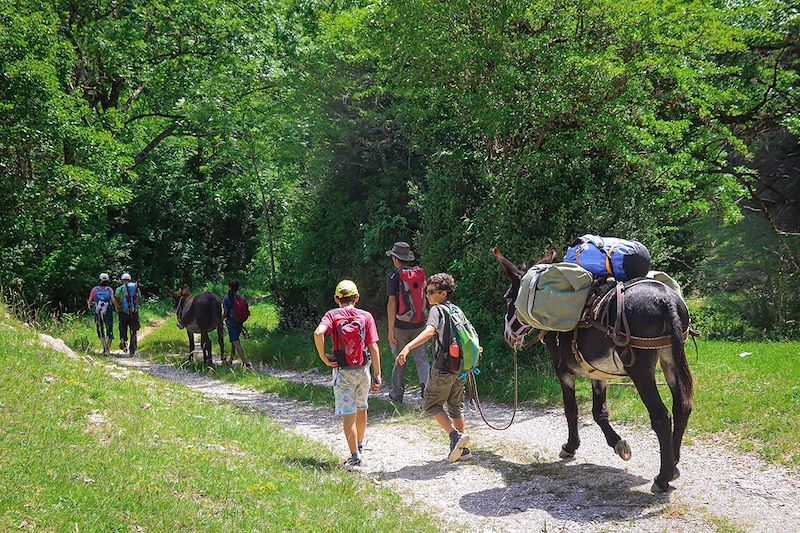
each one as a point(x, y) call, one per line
point(508, 267)
point(551, 256)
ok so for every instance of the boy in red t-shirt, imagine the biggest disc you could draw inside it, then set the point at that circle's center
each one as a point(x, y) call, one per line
point(355, 343)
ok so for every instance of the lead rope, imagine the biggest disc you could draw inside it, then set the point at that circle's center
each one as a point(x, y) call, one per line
point(473, 389)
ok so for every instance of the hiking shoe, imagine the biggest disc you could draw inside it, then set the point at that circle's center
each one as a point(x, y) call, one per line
point(458, 442)
point(465, 455)
point(352, 463)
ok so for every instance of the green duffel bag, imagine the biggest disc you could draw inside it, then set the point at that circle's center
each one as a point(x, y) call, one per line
point(551, 297)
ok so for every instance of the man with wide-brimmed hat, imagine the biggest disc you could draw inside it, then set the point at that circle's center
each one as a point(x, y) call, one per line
point(407, 311)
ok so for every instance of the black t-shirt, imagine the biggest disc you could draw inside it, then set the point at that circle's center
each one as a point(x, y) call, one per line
point(393, 289)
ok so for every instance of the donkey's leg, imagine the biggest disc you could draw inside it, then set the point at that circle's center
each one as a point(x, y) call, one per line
point(600, 415)
point(680, 411)
point(567, 381)
point(191, 345)
point(205, 343)
point(571, 412)
point(643, 375)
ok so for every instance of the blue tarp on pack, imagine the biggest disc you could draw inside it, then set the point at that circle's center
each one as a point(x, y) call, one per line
point(609, 256)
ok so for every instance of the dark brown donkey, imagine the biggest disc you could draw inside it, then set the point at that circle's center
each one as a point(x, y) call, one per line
point(200, 314)
point(658, 319)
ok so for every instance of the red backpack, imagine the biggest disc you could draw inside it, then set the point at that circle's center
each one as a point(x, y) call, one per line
point(411, 304)
point(241, 311)
point(349, 332)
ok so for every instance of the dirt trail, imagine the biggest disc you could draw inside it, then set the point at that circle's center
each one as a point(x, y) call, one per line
point(517, 482)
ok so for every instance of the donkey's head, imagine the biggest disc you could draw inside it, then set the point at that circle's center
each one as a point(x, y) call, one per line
point(516, 330)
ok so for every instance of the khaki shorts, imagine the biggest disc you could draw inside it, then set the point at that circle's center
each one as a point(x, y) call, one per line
point(443, 389)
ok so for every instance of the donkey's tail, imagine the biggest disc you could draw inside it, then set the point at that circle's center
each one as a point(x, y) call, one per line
point(682, 373)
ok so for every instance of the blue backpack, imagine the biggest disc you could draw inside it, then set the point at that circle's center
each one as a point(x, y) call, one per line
point(102, 300)
point(130, 298)
point(609, 256)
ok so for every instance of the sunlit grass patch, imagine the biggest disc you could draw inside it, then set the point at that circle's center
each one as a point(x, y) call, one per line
point(88, 450)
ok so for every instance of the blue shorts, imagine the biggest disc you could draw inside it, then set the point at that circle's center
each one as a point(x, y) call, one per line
point(350, 390)
point(234, 329)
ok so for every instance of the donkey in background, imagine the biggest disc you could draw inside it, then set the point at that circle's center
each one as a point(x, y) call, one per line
point(200, 314)
point(653, 310)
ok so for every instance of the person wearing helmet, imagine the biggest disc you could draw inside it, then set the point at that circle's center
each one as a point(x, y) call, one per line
point(355, 346)
point(101, 303)
point(128, 298)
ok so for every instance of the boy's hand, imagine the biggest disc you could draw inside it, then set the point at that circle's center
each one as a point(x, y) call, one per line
point(401, 357)
point(376, 384)
point(392, 338)
point(329, 363)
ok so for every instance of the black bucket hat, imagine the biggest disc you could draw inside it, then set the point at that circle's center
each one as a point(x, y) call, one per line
point(402, 251)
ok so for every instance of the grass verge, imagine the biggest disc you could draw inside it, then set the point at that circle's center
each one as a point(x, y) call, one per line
point(87, 450)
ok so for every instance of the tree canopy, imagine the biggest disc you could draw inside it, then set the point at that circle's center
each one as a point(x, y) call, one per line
point(292, 142)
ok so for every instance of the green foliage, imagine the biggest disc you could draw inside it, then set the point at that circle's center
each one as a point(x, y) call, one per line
point(291, 143)
point(121, 130)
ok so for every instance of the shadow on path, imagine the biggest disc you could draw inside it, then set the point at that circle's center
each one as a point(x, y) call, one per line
point(564, 490)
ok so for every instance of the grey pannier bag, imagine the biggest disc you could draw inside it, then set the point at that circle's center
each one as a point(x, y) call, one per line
point(551, 297)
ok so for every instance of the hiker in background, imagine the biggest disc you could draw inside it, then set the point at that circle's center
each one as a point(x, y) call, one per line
point(445, 386)
point(100, 303)
point(127, 298)
point(235, 313)
point(355, 345)
point(407, 311)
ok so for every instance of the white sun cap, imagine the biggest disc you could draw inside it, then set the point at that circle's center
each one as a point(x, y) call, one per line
point(126, 277)
point(104, 277)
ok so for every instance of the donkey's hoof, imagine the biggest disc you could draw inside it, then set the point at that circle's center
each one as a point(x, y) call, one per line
point(661, 487)
point(564, 454)
point(623, 449)
point(676, 475)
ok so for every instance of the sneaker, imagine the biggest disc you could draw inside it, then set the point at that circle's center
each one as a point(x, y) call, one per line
point(352, 463)
point(465, 455)
point(458, 442)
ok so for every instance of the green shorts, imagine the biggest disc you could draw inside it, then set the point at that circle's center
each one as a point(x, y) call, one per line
point(443, 389)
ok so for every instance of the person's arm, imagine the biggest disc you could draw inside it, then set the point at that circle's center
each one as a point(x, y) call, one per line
point(376, 367)
point(90, 300)
point(424, 336)
point(226, 308)
point(391, 314)
point(319, 342)
point(115, 301)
